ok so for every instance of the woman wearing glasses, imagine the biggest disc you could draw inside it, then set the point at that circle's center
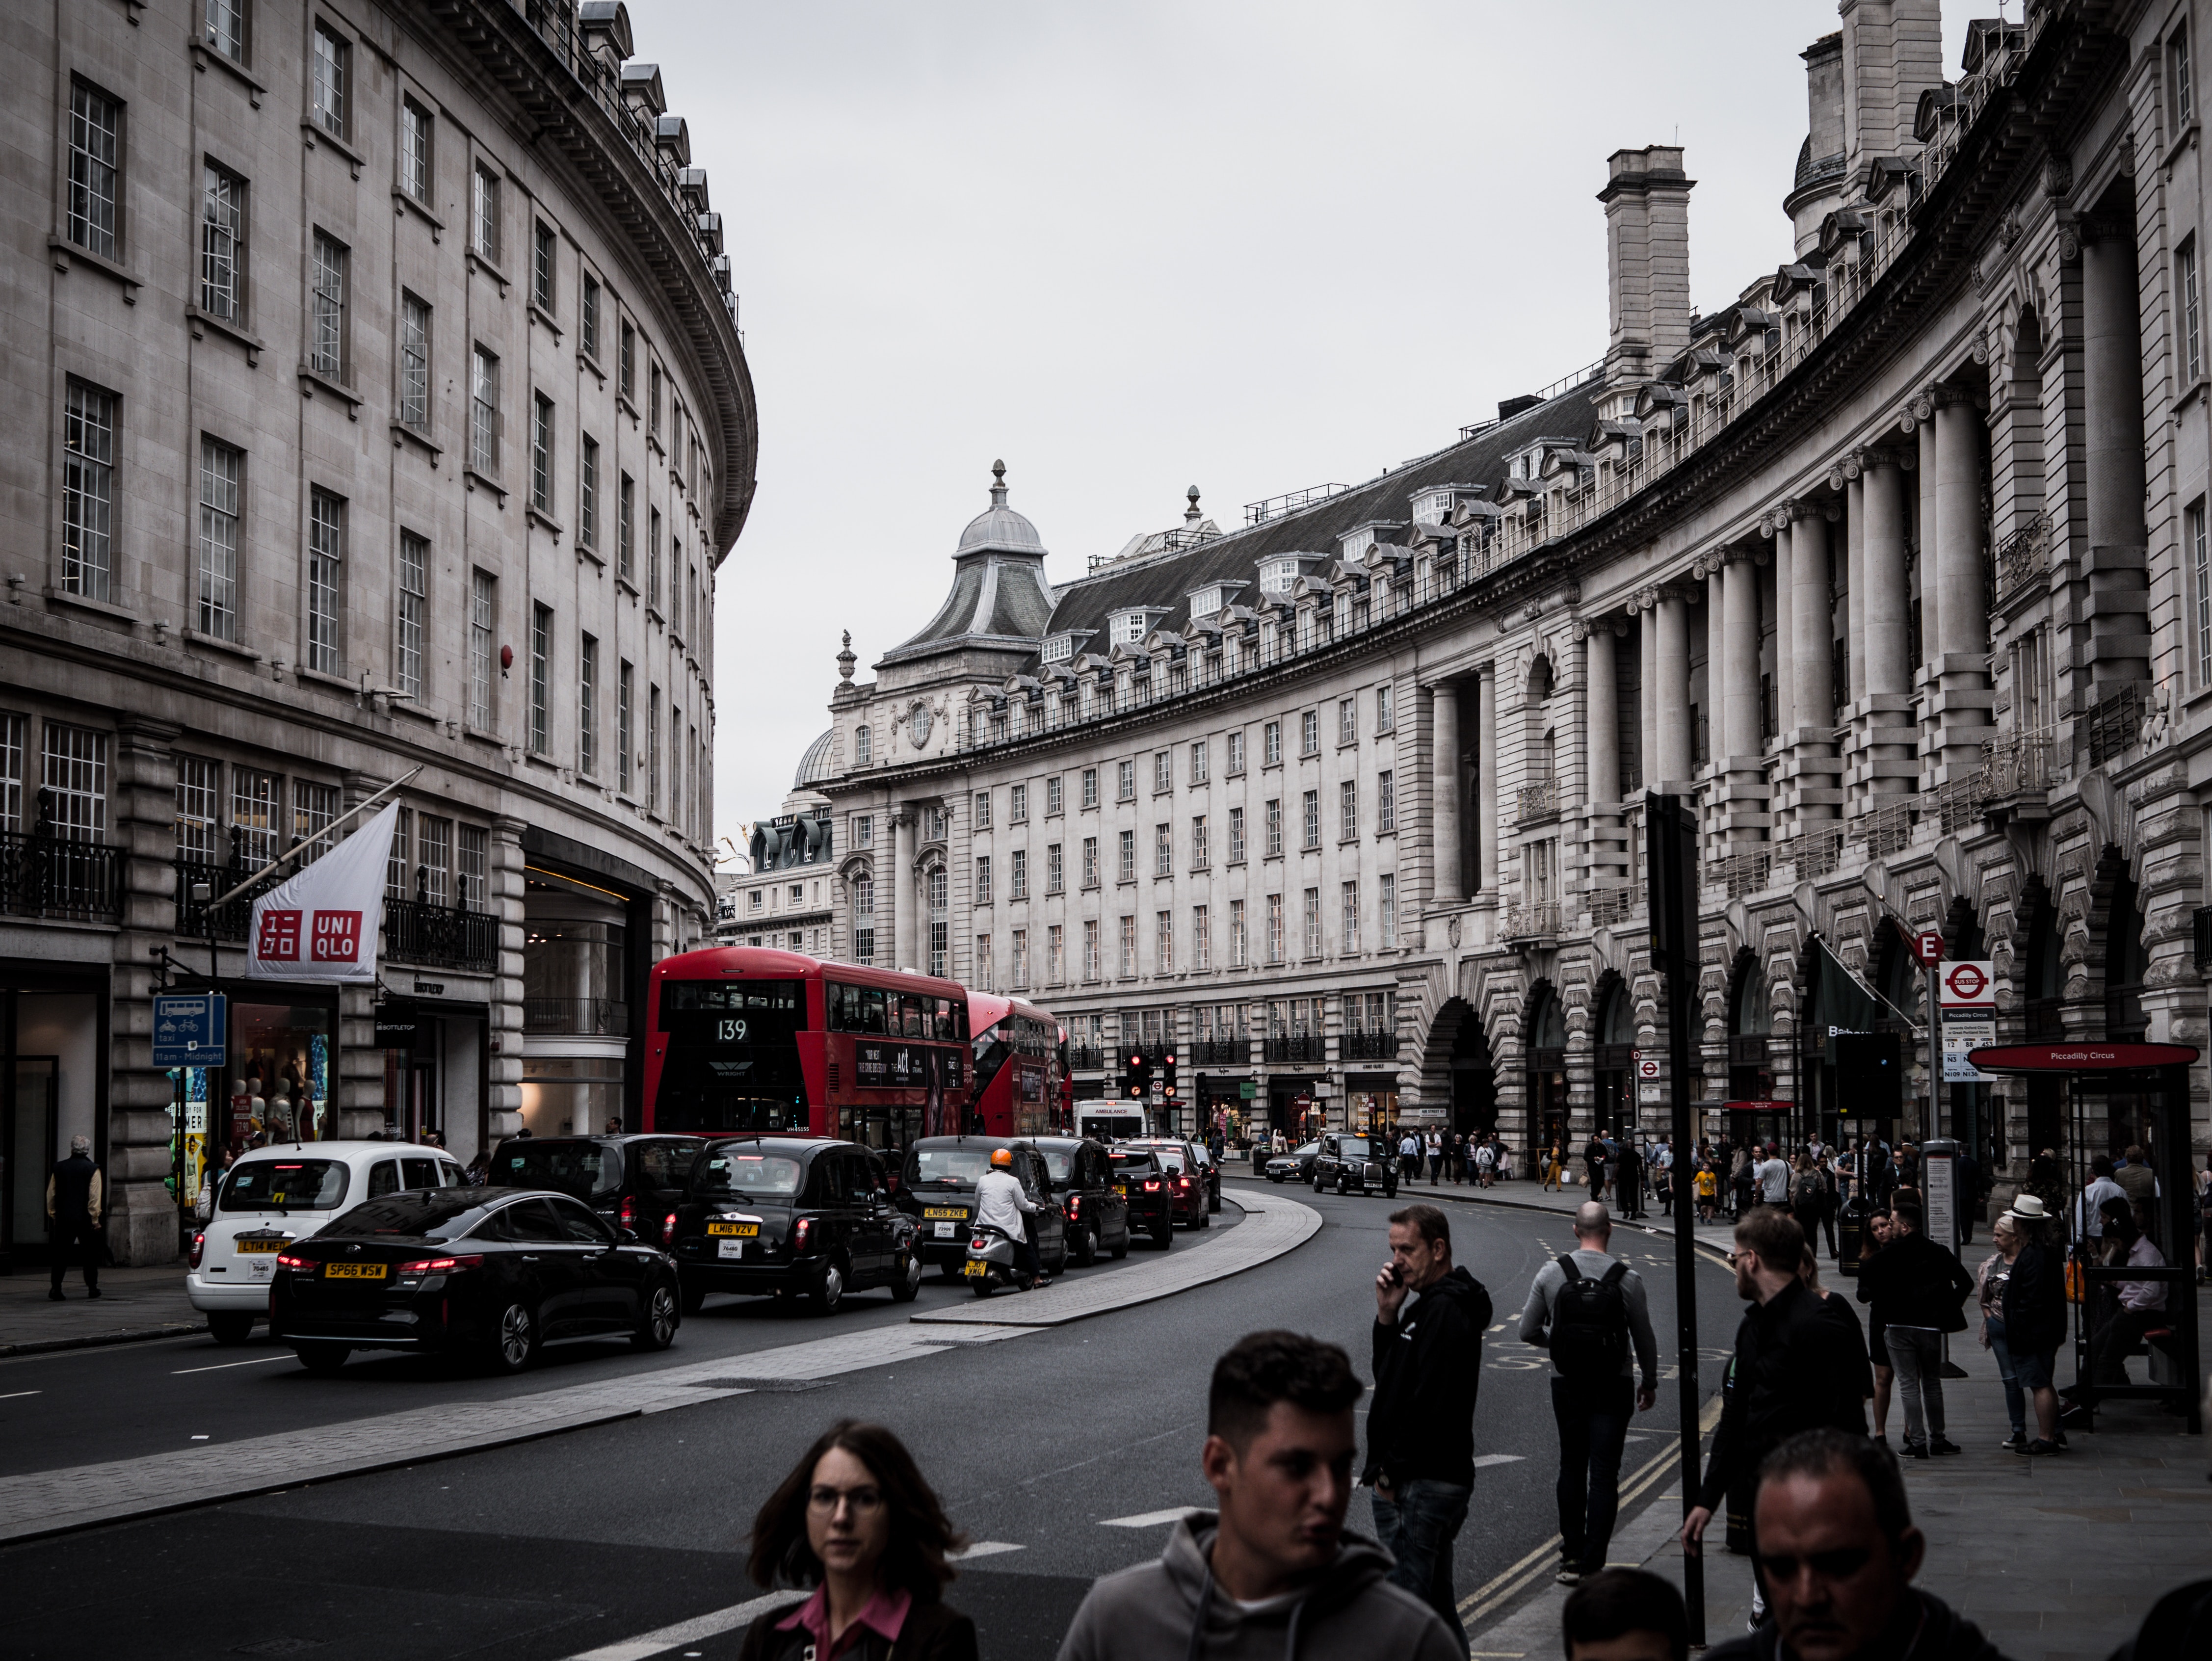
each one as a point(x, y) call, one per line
point(855, 1521)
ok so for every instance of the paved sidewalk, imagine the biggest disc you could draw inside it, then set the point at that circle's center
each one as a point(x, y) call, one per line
point(2056, 1559)
point(133, 1303)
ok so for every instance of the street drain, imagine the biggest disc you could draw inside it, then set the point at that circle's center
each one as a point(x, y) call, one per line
point(778, 1386)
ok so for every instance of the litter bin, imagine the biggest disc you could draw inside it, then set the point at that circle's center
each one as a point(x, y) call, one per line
point(1850, 1234)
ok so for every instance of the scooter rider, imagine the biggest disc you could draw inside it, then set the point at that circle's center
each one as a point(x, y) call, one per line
point(1000, 1204)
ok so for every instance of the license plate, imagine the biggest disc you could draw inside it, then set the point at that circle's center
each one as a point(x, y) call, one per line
point(975, 1271)
point(353, 1271)
point(945, 1231)
point(931, 1214)
point(736, 1230)
point(1121, 1188)
point(245, 1247)
point(731, 1248)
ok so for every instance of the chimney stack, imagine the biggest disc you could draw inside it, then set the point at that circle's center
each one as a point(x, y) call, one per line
point(1818, 188)
point(1647, 225)
point(1892, 52)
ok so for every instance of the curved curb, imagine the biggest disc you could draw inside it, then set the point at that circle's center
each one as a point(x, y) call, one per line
point(1271, 1227)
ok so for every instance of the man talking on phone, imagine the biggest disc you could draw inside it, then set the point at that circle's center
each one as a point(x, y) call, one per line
point(1420, 1431)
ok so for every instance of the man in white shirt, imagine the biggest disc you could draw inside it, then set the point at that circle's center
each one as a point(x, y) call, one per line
point(2088, 1221)
point(2142, 1303)
point(1772, 1176)
point(1001, 1202)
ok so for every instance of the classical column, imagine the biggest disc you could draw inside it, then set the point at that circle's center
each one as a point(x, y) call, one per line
point(1785, 630)
point(1884, 764)
point(1811, 764)
point(133, 1145)
point(507, 887)
point(1647, 688)
point(1925, 672)
point(1963, 706)
point(2112, 464)
point(1601, 704)
point(1745, 814)
point(906, 936)
point(1486, 780)
point(1446, 790)
point(1853, 486)
point(1673, 771)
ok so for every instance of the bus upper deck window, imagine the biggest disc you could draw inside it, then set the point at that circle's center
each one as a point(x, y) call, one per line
point(945, 1018)
point(872, 1018)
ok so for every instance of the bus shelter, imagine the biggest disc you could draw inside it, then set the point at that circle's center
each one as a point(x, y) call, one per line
point(2144, 1086)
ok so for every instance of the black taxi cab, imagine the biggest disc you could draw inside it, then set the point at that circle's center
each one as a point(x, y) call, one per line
point(937, 1190)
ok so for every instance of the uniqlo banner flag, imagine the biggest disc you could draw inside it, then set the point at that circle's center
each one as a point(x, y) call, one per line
point(323, 922)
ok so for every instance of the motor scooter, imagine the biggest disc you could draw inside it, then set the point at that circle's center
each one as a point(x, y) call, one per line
point(990, 1262)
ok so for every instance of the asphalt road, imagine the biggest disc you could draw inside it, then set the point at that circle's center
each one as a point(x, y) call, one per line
point(1043, 1447)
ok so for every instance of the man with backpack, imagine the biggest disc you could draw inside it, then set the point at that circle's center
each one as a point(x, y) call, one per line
point(1589, 1309)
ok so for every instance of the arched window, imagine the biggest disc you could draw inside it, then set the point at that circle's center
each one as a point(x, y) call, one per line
point(863, 747)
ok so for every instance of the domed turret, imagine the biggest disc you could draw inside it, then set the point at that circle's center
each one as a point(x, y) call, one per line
point(999, 528)
point(1001, 604)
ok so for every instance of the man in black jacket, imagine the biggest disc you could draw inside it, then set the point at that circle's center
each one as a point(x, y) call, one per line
point(1837, 1552)
point(1918, 1290)
point(1793, 1371)
point(1420, 1431)
point(73, 1208)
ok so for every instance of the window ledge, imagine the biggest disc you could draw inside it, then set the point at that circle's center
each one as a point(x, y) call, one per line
point(309, 379)
point(2190, 393)
point(403, 434)
point(653, 442)
point(653, 611)
point(318, 134)
point(1386, 830)
point(539, 315)
point(531, 757)
point(622, 403)
point(307, 677)
point(584, 553)
point(585, 360)
point(475, 476)
point(214, 644)
point(85, 602)
point(403, 204)
point(627, 586)
point(539, 516)
point(478, 260)
point(483, 737)
point(204, 55)
point(202, 321)
point(2182, 140)
point(65, 251)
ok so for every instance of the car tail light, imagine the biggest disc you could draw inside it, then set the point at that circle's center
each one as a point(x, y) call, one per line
point(293, 1260)
point(668, 1230)
point(628, 1217)
point(977, 1243)
point(800, 1230)
point(199, 1245)
point(1074, 1205)
point(440, 1265)
point(1182, 1182)
point(1152, 1184)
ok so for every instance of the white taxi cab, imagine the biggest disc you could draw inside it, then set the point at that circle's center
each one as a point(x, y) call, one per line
point(274, 1195)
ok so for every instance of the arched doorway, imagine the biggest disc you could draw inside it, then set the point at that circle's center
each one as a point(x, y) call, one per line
point(1547, 1051)
point(1836, 1004)
point(1474, 1077)
point(1614, 1056)
point(1751, 1066)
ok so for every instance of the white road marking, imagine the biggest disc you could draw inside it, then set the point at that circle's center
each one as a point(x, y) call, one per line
point(1147, 1519)
point(13, 1394)
point(988, 1548)
point(257, 1362)
point(1484, 1461)
point(692, 1631)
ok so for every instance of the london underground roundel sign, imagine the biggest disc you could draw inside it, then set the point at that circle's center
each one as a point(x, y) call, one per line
point(1965, 982)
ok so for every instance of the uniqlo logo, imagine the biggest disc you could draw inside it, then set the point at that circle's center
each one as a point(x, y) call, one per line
point(338, 937)
point(280, 937)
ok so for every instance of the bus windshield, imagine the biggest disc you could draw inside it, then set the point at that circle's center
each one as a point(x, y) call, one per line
point(731, 1061)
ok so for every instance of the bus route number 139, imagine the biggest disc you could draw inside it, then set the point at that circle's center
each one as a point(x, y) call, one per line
point(731, 1029)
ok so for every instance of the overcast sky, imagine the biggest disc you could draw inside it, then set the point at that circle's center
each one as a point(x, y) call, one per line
point(1134, 246)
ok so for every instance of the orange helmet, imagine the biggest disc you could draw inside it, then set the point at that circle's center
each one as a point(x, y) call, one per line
point(1002, 1159)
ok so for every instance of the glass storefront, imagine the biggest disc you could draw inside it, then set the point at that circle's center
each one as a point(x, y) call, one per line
point(280, 1081)
point(570, 1095)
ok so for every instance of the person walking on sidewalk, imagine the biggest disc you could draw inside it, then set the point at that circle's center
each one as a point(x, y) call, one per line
point(1990, 1282)
point(1555, 1167)
point(1807, 1191)
point(2034, 1307)
point(1274, 1572)
point(1628, 1183)
point(1589, 1309)
point(1435, 1158)
point(1420, 1432)
point(1485, 1166)
point(73, 1207)
point(1918, 1290)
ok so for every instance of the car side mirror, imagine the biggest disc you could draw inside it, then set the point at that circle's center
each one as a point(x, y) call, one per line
point(627, 1236)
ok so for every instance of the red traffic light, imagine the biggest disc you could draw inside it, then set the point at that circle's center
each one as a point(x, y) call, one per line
point(1169, 1058)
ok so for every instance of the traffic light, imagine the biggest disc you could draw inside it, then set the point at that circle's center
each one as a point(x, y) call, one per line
point(1168, 1092)
point(1137, 1082)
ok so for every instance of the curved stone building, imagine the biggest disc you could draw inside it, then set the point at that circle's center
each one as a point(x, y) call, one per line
point(1897, 564)
point(378, 405)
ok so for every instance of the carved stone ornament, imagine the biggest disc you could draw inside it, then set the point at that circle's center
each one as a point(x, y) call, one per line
point(2069, 245)
point(1451, 932)
point(2058, 175)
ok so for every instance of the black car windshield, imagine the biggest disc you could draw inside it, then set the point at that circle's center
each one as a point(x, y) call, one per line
point(1059, 1162)
point(1352, 1148)
point(444, 1213)
point(1134, 1158)
point(285, 1185)
point(1170, 1160)
point(946, 1167)
point(581, 1168)
point(740, 1174)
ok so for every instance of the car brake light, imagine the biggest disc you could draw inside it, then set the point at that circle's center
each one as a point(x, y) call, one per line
point(1182, 1182)
point(976, 1243)
point(440, 1265)
point(1074, 1204)
point(293, 1260)
point(1152, 1184)
point(800, 1230)
point(668, 1230)
point(628, 1217)
point(199, 1245)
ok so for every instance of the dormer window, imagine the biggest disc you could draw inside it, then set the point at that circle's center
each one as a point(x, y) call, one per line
point(1059, 648)
point(1277, 576)
point(1129, 628)
point(1212, 600)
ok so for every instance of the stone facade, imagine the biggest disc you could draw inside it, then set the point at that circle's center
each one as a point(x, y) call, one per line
point(378, 405)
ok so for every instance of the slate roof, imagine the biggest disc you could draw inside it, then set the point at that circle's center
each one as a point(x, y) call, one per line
point(1168, 580)
point(815, 766)
point(1001, 598)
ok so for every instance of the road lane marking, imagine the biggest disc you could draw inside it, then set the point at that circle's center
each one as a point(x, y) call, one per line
point(648, 1644)
point(1150, 1519)
point(987, 1549)
point(13, 1394)
point(1485, 1461)
point(257, 1360)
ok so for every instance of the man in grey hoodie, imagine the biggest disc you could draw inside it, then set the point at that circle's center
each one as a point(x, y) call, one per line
point(1273, 1575)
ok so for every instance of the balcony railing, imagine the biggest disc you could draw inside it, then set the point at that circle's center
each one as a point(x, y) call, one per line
point(226, 922)
point(1887, 829)
point(441, 936)
point(1751, 871)
point(1537, 921)
point(1958, 805)
point(2017, 763)
point(2024, 557)
point(44, 875)
point(1615, 905)
point(1358, 1046)
point(1221, 1052)
point(1297, 1047)
point(2113, 726)
point(595, 1018)
point(1085, 1058)
point(1817, 852)
point(1539, 799)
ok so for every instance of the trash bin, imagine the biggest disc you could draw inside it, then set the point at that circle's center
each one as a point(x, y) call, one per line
point(1850, 1234)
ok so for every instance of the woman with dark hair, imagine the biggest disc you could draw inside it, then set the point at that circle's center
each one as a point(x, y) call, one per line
point(855, 1521)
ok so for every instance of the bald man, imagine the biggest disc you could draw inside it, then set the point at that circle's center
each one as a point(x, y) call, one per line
point(1589, 1309)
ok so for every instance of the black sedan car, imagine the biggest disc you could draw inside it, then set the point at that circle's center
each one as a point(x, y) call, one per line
point(633, 1182)
point(489, 1273)
point(1295, 1166)
point(1144, 1184)
point(1083, 1182)
point(792, 1216)
point(1188, 1196)
point(1354, 1165)
point(937, 1189)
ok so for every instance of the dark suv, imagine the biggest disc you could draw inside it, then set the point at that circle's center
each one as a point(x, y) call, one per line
point(937, 1190)
point(1188, 1196)
point(1083, 1180)
point(794, 1216)
point(1144, 1185)
point(1353, 1165)
point(633, 1182)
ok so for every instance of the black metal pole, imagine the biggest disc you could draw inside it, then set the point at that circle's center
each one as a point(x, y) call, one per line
point(2174, 1179)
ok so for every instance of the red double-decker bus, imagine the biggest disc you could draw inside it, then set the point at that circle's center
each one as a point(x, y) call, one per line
point(1021, 1068)
point(741, 1038)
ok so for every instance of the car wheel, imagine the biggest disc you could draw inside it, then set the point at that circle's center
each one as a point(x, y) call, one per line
point(514, 1343)
point(1213, 1203)
point(1342, 1186)
point(694, 1296)
point(1121, 1251)
point(1205, 1220)
point(230, 1327)
point(986, 1285)
point(656, 1327)
point(1059, 1265)
point(1165, 1239)
point(1088, 1253)
point(829, 1292)
point(905, 1288)
point(321, 1358)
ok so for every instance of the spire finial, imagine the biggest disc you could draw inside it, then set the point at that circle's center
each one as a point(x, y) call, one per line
point(846, 660)
point(1190, 514)
point(999, 483)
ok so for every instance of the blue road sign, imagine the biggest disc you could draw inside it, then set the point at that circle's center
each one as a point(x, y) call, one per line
point(191, 1029)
